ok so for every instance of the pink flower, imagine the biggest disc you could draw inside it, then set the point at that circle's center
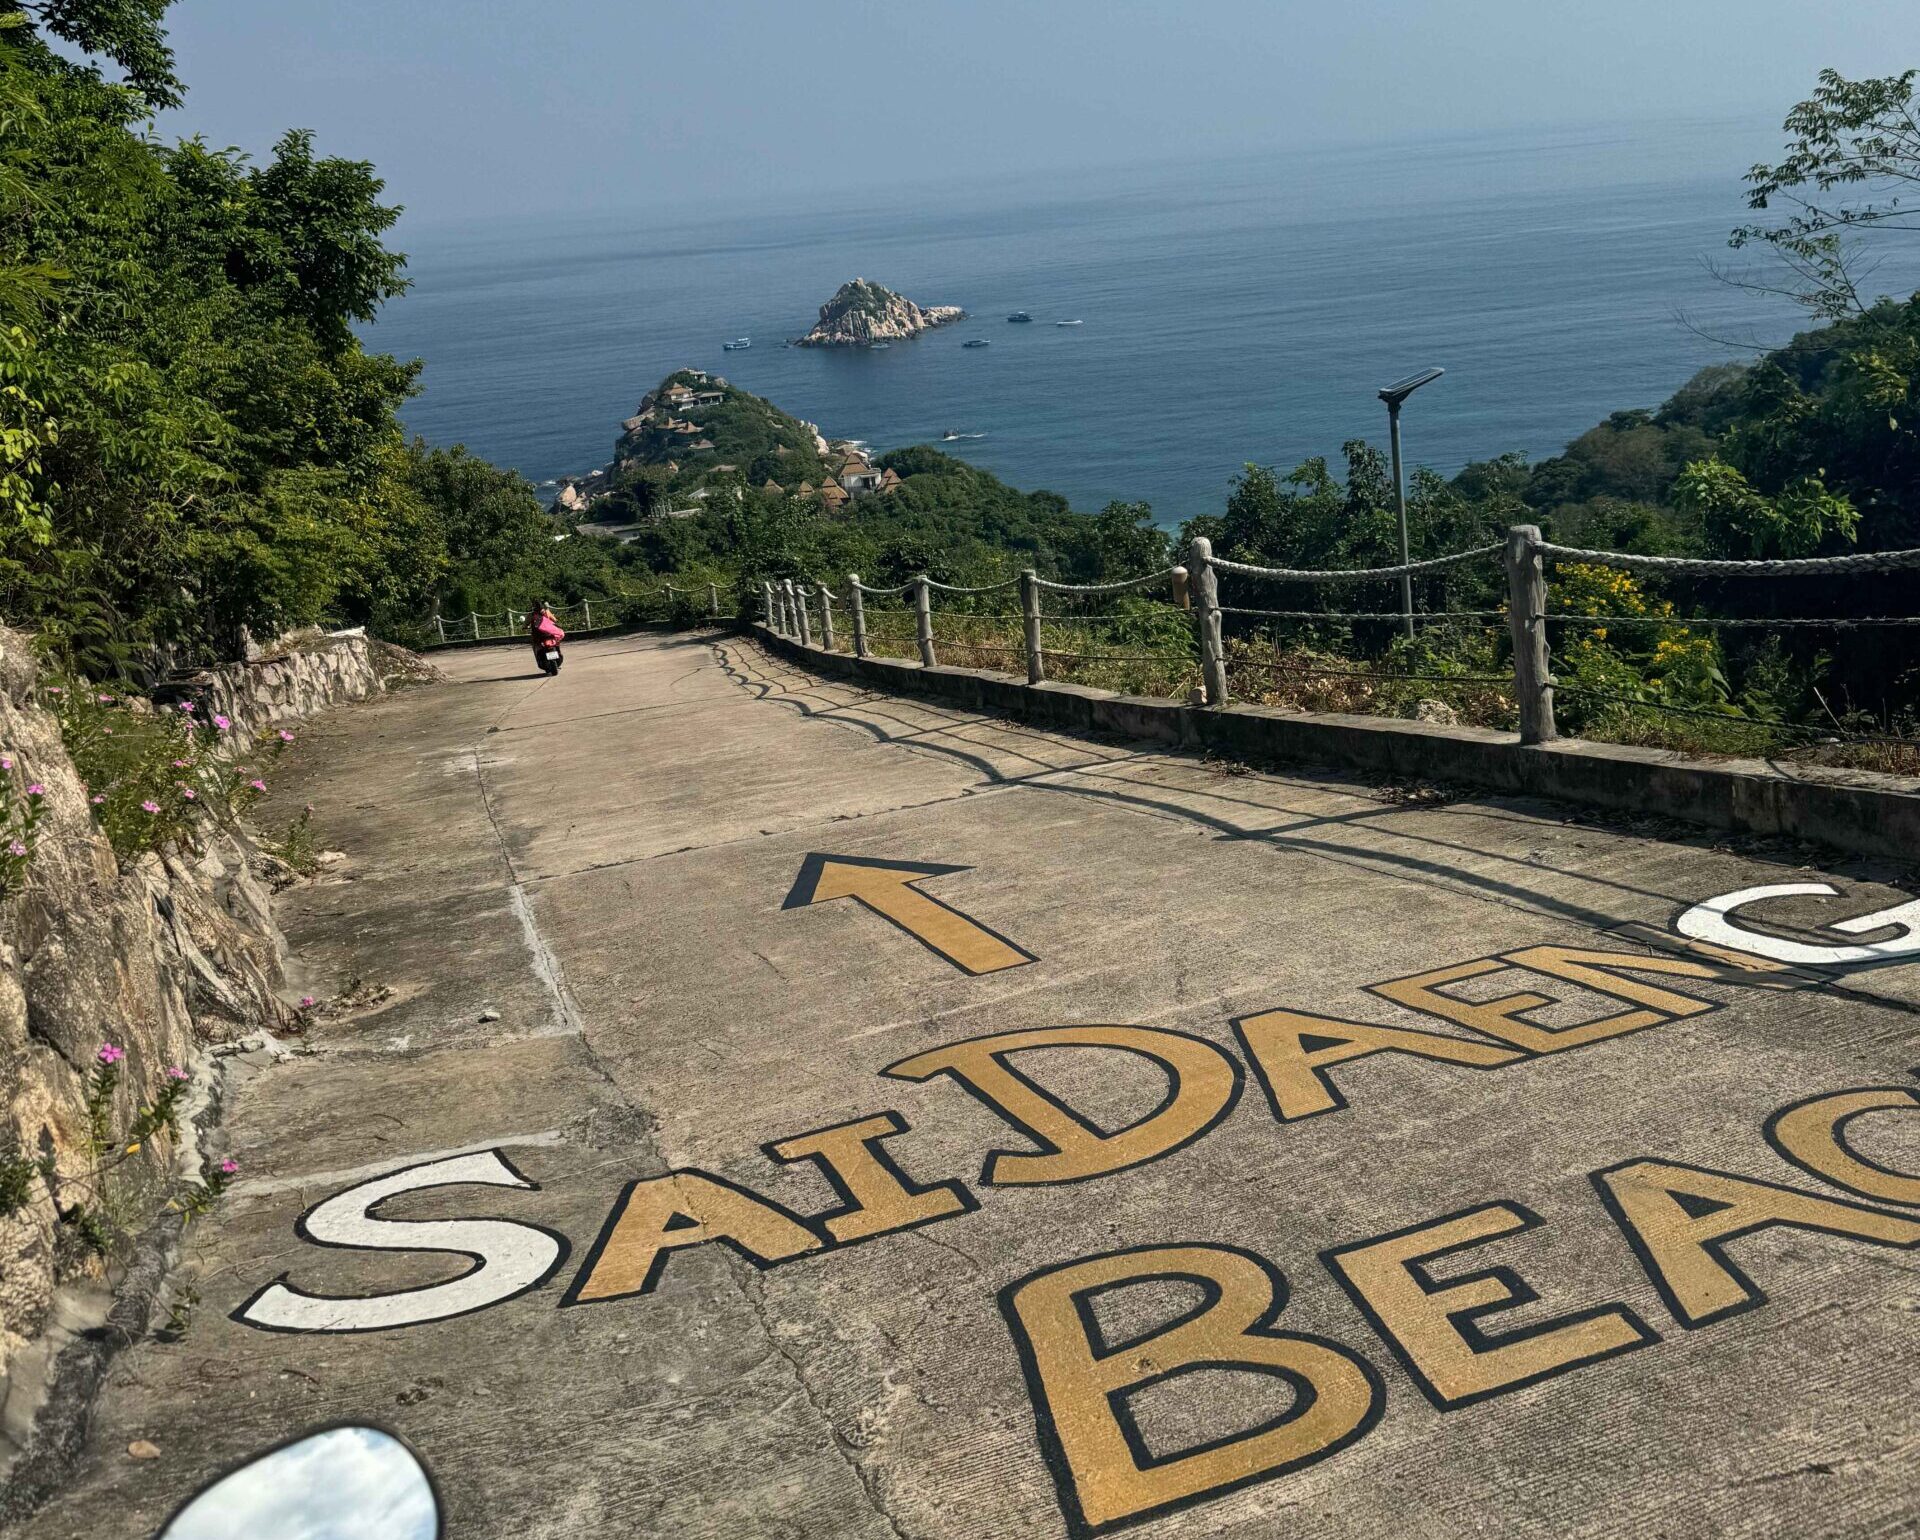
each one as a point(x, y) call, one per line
point(306, 1002)
point(229, 1166)
point(6, 761)
point(149, 806)
point(54, 689)
point(223, 723)
point(104, 698)
point(187, 706)
point(175, 1072)
point(181, 764)
point(98, 798)
point(187, 792)
point(15, 848)
point(35, 789)
point(258, 785)
point(285, 736)
point(110, 1054)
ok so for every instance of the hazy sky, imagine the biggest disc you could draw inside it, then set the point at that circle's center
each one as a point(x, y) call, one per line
point(478, 107)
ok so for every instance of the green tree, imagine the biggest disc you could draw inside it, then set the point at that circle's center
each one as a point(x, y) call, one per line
point(1851, 168)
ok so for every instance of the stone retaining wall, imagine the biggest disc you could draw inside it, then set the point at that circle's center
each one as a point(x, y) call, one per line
point(1853, 810)
point(164, 957)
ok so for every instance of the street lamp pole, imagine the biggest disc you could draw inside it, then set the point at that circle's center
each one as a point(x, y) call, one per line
point(1394, 395)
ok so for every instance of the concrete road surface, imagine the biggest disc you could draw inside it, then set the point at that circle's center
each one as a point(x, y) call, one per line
point(742, 1106)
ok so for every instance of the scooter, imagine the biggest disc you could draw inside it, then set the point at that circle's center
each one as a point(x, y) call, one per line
point(547, 656)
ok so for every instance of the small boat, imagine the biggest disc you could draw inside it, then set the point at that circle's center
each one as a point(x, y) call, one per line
point(975, 342)
point(954, 436)
point(1019, 315)
point(736, 345)
point(1069, 323)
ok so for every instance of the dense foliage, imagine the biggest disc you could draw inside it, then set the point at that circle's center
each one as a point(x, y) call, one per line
point(191, 438)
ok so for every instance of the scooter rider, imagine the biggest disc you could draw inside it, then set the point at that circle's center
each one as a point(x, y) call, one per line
point(546, 633)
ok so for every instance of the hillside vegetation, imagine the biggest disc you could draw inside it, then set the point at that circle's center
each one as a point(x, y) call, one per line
point(192, 440)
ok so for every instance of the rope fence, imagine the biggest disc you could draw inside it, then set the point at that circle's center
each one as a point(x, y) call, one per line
point(1168, 632)
point(666, 603)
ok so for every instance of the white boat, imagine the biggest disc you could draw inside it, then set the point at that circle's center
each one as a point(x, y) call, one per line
point(1069, 323)
point(736, 345)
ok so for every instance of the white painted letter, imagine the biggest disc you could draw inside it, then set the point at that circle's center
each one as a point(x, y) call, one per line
point(1712, 921)
point(509, 1257)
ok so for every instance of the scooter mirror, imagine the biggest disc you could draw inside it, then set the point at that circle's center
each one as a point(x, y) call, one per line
point(342, 1484)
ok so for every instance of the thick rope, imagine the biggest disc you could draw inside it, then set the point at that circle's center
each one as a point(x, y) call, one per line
point(950, 588)
point(1227, 609)
point(1104, 588)
point(1367, 574)
point(1683, 566)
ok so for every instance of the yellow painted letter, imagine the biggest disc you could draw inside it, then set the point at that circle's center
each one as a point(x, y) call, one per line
point(1291, 1053)
point(1679, 1219)
point(1597, 971)
point(1080, 1386)
point(1812, 1134)
point(667, 1213)
point(1434, 1327)
point(877, 1197)
point(1203, 1084)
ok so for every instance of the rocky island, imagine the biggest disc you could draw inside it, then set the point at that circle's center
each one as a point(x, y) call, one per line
point(862, 313)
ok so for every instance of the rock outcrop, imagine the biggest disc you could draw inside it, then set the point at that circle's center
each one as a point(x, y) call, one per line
point(862, 312)
point(161, 956)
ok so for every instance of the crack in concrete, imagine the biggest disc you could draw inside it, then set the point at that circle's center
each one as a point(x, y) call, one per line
point(753, 1292)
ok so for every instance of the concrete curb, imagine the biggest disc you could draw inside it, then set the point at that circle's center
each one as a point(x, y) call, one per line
point(1856, 810)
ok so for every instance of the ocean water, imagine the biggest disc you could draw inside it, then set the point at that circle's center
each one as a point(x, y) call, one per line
point(1233, 312)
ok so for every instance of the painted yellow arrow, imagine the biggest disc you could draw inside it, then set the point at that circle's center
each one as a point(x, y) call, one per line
point(887, 888)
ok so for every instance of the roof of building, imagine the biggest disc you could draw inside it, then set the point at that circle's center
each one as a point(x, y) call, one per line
point(889, 477)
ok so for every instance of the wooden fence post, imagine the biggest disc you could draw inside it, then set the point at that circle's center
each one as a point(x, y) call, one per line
point(859, 615)
point(1206, 620)
point(923, 620)
point(803, 594)
point(1030, 624)
point(826, 617)
point(1527, 621)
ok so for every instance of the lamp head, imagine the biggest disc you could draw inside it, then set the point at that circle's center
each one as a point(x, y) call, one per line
point(1399, 390)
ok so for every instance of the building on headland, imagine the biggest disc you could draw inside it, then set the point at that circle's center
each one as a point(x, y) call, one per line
point(680, 399)
point(858, 478)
